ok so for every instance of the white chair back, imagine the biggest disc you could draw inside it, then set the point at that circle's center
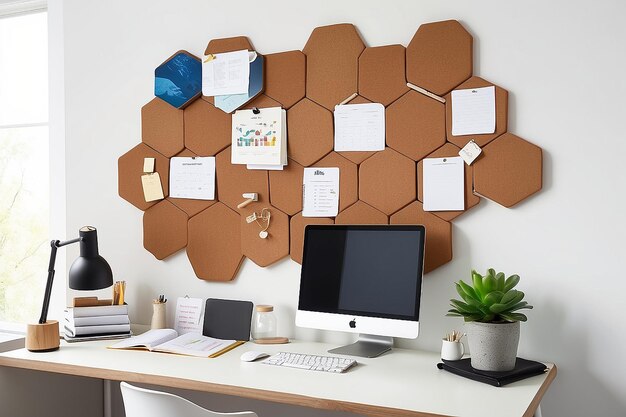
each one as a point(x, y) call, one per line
point(142, 402)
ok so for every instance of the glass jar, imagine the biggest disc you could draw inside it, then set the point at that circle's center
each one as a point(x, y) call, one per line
point(264, 324)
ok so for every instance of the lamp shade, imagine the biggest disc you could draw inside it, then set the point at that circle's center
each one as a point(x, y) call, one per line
point(90, 271)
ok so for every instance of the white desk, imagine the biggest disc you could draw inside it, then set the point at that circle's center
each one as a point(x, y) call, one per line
point(402, 383)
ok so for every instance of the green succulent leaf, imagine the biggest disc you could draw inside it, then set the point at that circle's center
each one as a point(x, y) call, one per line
point(493, 297)
point(513, 316)
point(520, 305)
point(477, 281)
point(463, 307)
point(511, 282)
point(512, 297)
point(469, 291)
point(500, 281)
point(489, 284)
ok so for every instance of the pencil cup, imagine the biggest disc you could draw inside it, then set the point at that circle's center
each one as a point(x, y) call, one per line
point(452, 351)
point(158, 316)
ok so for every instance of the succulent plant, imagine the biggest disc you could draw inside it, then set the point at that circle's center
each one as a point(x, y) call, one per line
point(491, 299)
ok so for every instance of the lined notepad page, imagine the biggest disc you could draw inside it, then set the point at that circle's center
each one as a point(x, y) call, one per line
point(474, 111)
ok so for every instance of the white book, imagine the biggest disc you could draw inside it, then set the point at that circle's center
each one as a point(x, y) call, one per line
point(92, 330)
point(96, 320)
point(111, 310)
point(168, 341)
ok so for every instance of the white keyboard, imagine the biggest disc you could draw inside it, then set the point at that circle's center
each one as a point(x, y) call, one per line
point(310, 362)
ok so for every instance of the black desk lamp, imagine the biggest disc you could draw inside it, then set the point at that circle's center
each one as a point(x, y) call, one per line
point(88, 272)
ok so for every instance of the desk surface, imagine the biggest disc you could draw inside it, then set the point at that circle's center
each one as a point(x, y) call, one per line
point(402, 383)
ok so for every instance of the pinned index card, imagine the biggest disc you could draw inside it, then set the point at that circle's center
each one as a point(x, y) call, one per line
point(474, 111)
point(444, 183)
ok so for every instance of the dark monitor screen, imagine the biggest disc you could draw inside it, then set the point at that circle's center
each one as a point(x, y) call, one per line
point(373, 271)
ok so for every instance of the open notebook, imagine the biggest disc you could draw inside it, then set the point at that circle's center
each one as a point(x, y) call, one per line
point(168, 341)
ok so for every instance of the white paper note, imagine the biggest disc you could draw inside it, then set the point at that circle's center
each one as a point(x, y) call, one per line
point(360, 127)
point(321, 192)
point(474, 111)
point(259, 139)
point(444, 184)
point(192, 177)
point(188, 315)
point(227, 73)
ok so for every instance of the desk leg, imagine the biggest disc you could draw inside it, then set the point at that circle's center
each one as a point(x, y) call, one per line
point(106, 398)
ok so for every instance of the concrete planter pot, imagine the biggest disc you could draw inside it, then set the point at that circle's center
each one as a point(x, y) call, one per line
point(493, 346)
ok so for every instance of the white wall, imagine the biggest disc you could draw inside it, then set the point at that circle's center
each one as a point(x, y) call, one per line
point(564, 66)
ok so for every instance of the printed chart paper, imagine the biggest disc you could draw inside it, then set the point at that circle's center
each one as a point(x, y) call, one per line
point(226, 73)
point(474, 111)
point(360, 127)
point(192, 177)
point(321, 192)
point(444, 184)
point(260, 139)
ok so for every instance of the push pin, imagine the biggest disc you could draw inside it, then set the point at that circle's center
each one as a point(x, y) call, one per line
point(250, 197)
point(256, 110)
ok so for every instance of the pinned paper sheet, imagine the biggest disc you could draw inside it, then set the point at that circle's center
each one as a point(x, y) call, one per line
point(192, 177)
point(321, 192)
point(360, 127)
point(152, 189)
point(474, 111)
point(188, 315)
point(260, 139)
point(444, 184)
point(226, 73)
point(148, 165)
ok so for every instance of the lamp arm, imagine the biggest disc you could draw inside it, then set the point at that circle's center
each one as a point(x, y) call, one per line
point(54, 245)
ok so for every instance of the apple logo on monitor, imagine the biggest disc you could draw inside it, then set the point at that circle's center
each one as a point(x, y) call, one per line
point(352, 324)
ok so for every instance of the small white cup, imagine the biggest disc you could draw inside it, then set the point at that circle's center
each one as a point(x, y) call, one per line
point(452, 351)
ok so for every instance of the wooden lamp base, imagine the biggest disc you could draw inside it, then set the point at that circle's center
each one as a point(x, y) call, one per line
point(43, 337)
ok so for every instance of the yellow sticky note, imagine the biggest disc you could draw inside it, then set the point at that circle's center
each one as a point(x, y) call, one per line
point(152, 189)
point(148, 165)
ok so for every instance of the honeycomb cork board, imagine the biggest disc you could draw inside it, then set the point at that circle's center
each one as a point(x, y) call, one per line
point(375, 187)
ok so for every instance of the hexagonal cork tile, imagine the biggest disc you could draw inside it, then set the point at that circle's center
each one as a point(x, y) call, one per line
point(309, 131)
point(471, 200)
point(162, 127)
point(233, 180)
point(382, 77)
point(130, 170)
point(275, 246)
point(212, 257)
point(164, 229)
point(332, 62)
point(357, 156)
point(415, 125)
point(509, 170)
point(190, 206)
point(439, 57)
point(207, 129)
point(260, 102)
point(286, 188)
point(438, 244)
point(296, 229)
point(285, 77)
point(348, 178)
point(502, 105)
point(361, 213)
point(236, 43)
point(387, 181)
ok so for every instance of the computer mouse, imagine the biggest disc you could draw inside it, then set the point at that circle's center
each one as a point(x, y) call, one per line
point(253, 355)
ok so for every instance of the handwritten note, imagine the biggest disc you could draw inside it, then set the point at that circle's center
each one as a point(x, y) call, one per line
point(321, 192)
point(473, 111)
point(360, 127)
point(188, 315)
point(192, 178)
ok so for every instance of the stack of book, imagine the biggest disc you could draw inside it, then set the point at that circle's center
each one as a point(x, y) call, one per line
point(96, 322)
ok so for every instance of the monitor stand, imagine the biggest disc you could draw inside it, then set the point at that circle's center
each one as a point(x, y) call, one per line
point(368, 346)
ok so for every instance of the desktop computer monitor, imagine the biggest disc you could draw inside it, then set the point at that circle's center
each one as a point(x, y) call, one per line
point(362, 279)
